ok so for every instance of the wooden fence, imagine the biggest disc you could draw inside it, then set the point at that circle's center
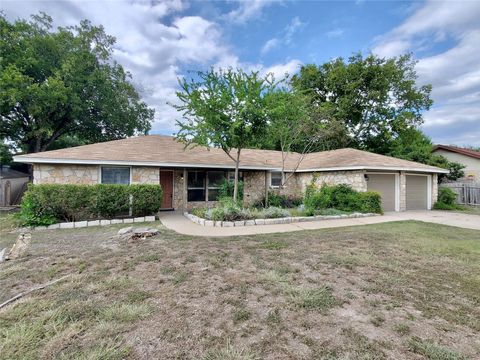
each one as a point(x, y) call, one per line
point(467, 193)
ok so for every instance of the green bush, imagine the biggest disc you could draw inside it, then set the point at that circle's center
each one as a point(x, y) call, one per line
point(110, 200)
point(341, 197)
point(447, 196)
point(283, 201)
point(226, 189)
point(273, 212)
point(46, 204)
point(447, 200)
point(146, 199)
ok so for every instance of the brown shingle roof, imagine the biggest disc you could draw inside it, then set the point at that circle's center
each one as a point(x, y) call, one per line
point(463, 151)
point(161, 150)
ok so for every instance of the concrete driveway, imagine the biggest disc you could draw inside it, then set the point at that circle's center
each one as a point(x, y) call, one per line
point(175, 220)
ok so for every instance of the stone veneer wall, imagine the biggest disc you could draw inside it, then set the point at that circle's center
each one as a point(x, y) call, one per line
point(178, 190)
point(434, 188)
point(145, 175)
point(253, 186)
point(65, 174)
point(354, 178)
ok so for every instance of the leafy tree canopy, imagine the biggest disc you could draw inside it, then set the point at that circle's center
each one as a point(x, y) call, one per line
point(63, 83)
point(374, 99)
point(414, 145)
point(225, 109)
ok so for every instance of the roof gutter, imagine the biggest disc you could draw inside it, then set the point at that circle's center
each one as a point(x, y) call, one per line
point(389, 168)
point(36, 160)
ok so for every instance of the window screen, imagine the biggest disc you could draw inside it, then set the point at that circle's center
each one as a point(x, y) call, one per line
point(215, 178)
point(116, 175)
point(276, 179)
point(196, 186)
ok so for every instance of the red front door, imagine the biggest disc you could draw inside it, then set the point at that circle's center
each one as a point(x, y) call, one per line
point(166, 182)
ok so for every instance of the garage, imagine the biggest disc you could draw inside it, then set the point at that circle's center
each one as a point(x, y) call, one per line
point(385, 184)
point(417, 192)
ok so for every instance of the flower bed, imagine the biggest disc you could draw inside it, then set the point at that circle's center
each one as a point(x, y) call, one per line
point(263, 221)
point(319, 203)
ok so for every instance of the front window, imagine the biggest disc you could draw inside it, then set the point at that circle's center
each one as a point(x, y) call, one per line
point(204, 185)
point(196, 186)
point(231, 176)
point(276, 179)
point(116, 175)
point(215, 178)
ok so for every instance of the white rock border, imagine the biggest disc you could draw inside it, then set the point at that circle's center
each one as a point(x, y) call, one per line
point(284, 220)
point(103, 222)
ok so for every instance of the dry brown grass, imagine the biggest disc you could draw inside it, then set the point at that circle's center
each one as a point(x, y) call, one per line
point(398, 290)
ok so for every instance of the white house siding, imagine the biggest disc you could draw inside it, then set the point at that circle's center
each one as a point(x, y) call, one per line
point(472, 165)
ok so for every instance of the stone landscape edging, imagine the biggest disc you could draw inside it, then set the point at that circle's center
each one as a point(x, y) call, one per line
point(101, 222)
point(284, 220)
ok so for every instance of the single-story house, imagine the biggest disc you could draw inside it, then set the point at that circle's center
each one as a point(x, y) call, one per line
point(12, 185)
point(190, 176)
point(469, 158)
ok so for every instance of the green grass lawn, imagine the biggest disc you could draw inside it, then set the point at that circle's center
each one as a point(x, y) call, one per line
point(475, 210)
point(402, 290)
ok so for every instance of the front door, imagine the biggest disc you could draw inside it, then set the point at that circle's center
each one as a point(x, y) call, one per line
point(166, 182)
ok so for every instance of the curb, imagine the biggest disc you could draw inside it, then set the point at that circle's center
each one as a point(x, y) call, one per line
point(284, 220)
point(83, 224)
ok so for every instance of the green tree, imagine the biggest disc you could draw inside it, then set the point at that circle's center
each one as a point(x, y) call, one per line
point(225, 109)
point(293, 126)
point(63, 82)
point(413, 144)
point(5, 154)
point(374, 98)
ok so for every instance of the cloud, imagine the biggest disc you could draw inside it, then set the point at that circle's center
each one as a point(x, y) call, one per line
point(292, 28)
point(429, 22)
point(280, 70)
point(247, 10)
point(336, 33)
point(454, 73)
point(286, 38)
point(270, 45)
point(454, 124)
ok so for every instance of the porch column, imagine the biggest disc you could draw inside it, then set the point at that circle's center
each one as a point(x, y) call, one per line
point(434, 188)
point(266, 188)
point(184, 190)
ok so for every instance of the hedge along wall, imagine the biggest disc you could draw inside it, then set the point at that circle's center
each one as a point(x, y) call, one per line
point(46, 204)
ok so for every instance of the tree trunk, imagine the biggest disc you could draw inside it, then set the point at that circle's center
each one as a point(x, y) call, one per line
point(235, 182)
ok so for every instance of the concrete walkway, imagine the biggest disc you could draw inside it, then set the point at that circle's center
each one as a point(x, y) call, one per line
point(176, 221)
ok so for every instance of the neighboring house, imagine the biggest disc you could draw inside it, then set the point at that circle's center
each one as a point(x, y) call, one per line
point(191, 177)
point(467, 157)
point(12, 185)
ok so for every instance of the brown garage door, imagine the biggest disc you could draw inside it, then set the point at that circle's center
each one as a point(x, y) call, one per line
point(385, 185)
point(417, 192)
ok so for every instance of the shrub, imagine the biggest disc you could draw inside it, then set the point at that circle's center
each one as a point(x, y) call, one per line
point(283, 201)
point(447, 196)
point(146, 199)
point(341, 197)
point(273, 212)
point(447, 200)
point(318, 198)
point(369, 202)
point(226, 189)
point(46, 204)
point(110, 200)
point(200, 212)
point(228, 210)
